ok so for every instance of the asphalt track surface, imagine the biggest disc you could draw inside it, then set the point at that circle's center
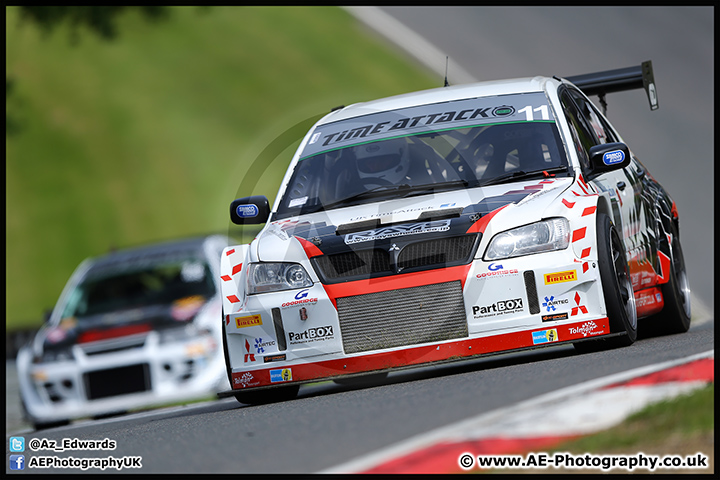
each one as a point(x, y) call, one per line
point(329, 424)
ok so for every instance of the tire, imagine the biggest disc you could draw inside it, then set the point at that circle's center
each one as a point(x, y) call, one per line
point(617, 289)
point(675, 316)
point(268, 395)
point(38, 425)
point(362, 381)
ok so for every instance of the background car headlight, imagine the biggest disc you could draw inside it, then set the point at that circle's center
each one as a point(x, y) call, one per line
point(271, 277)
point(545, 236)
point(55, 355)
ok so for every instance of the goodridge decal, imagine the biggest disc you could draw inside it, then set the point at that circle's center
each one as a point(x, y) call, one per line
point(397, 230)
point(559, 277)
point(497, 270)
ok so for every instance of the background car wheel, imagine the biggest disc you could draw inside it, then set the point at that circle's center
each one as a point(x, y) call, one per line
point(617, 289)
point(362, 381)
point(268, 395)
point(675, 316)
point(37, 425)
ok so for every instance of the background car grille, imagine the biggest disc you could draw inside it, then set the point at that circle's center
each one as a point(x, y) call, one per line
point(115, 345)
point(408, 316)
point(437, 253)
point(117, 381)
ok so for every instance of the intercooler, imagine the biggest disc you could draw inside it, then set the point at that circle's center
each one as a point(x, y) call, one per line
point(408, 316)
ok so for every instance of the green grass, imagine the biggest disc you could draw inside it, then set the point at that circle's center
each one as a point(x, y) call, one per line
point(149, 136)
point(686, 417)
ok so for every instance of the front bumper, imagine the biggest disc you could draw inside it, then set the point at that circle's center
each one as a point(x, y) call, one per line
point(345, 329)
point(140, 372)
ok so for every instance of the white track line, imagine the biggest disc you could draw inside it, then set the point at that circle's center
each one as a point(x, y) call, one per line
point(402, 36)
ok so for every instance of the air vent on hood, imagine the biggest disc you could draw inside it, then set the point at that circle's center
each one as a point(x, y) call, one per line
point(440, 214)
point(346, 228)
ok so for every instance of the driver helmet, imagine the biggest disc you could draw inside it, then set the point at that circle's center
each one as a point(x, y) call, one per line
point(387, 160)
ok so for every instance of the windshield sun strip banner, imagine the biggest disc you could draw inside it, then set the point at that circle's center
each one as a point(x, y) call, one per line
point(465, 113)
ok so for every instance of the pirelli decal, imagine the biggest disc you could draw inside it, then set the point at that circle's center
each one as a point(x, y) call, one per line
point(560, 277)
point(249, 321)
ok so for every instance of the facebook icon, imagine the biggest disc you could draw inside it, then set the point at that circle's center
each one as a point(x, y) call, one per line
point(17, 462)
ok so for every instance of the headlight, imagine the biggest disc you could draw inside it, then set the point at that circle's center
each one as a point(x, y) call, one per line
point(176, 335)
point(55, 355)
point(272, 277)
point(545, 236)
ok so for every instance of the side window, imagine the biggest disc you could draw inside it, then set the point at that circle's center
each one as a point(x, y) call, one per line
point(583, 137)
point(602, 131)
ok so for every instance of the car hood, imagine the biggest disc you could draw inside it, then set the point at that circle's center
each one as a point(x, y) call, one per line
point(119, 323)
point(395, 221)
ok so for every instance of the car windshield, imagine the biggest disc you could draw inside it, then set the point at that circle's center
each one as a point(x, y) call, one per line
point(491, 150)
point(139, 283)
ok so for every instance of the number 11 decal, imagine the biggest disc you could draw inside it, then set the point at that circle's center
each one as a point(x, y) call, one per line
point(543, 109)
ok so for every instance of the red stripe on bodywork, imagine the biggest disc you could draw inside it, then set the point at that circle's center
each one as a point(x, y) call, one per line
point(647, 303)
point(481, 225)
point(95, 335)
point(236, 268)
point(426, 354)
point(579, 234)
point(227, 278)
point(229, 252)
point(588, 211)
point(664, 275)
point(310, 249)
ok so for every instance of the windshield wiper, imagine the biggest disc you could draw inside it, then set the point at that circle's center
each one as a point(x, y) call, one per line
point(415, 189)
point(522, 174)
point(382, 190)
point(373, 192)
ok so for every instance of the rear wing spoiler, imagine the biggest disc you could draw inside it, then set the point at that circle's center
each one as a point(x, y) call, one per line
point(618, 80)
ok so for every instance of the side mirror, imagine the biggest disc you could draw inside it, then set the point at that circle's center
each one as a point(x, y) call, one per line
point(608, 157)
point(250, 210)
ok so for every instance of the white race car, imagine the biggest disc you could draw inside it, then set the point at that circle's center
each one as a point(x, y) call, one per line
point(449, 223)
point(133, 328)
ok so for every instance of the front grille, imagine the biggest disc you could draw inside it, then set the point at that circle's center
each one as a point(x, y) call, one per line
point(437, 253)
point(409, 316)
point(353, 263)
point(115, 345)
point(117, 381)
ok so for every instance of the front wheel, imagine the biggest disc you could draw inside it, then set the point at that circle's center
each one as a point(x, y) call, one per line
point(617, 289)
